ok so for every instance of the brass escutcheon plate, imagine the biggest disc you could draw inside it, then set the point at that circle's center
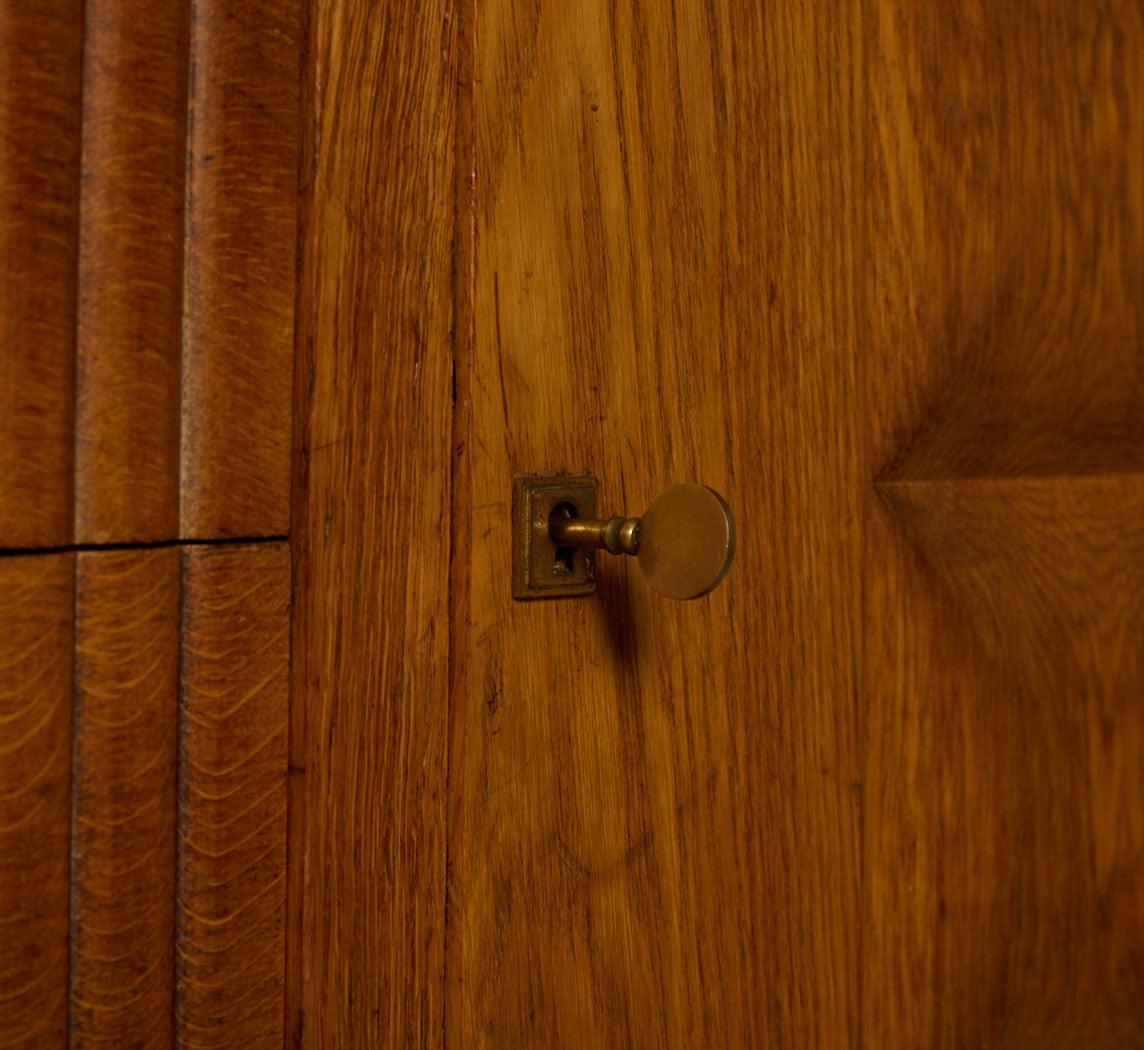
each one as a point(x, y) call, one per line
point(540, 569)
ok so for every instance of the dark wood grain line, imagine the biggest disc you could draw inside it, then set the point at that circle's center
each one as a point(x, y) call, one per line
point(36, 637)
point(123, 828)
point(131, 267)
point(230, 973)
point(239, 268)
point(40, 84)
point(377, 525)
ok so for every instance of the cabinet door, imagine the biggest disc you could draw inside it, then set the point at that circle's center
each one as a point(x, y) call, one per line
point(148, 218)
point(872, 270)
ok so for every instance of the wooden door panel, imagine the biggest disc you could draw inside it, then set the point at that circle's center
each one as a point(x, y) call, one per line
point(1004, 784)
point(123, 792)
point(655, 807)
point(148, 218)
point(872, 270)
point(36, 624)
point(876, 274)
point(242, 208)
point(162, 409)
point(129, 338)
point(40, 86)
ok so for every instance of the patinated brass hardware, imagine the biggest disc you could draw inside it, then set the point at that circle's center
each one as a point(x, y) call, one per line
point(540, 568)
point(616, 535)
point(684, 543)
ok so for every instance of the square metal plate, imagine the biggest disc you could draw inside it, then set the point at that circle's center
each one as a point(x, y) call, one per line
point(540, 569)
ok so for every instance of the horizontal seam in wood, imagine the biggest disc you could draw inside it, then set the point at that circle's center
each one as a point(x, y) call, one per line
point(80, 548)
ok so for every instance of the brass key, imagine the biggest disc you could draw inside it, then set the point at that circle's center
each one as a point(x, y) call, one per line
point(685, 541)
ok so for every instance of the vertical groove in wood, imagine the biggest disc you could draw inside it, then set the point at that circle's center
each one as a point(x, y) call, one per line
point(36, 610)
point(232, 796)
point(130, 279)
point(40, 77)
point(373, 605)
point(461, 514)
point(123, 854)
point(239, 268)
point(307, 269)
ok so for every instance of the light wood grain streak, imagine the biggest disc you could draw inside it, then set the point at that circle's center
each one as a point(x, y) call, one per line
point(123, 833)
point(36, 600)
point(239, 268)
point(40, 78)
point(373, 633)
point(131, 266)
point(232, 796)
point(461, 538)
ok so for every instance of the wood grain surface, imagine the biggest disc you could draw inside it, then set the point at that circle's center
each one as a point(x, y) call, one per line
point(655, 806)
point(36, 596)
point(232, 796)
point(371, 642)
point(1003, 828)
point(40, 86)
point(241, 230)
point(131, 269)
point(872, 270)
point(123, 820)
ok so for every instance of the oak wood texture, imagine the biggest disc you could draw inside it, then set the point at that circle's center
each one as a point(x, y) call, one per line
point(372, 525)
point(655, 807)
point(40, 85)
point(1004, 787)
point(872, 270)
point(146, 331)
point(35, 797)
point(130, 271)
point(123, 820)
point(241, 206)
point(233, 711)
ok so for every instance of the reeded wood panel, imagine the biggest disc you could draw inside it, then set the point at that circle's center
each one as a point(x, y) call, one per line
point(123, 832)
point(40, 79)
point(655, 806)
point(131, 266)
point(1004, 801)
point(36, 594)
point(372, 638)
point(232, 796)
point(240, 277)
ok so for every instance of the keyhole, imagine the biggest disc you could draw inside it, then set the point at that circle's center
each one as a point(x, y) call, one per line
point(562, 563)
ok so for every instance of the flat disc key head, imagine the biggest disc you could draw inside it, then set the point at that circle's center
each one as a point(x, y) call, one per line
point(686, 541)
